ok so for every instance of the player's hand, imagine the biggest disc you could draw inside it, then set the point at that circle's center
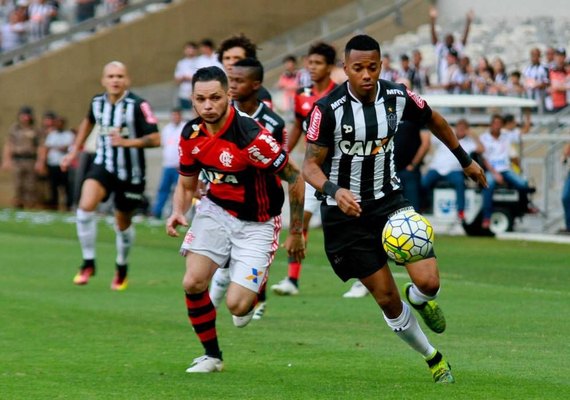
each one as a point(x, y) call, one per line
point(295, 246)
point(116, 139)
point(347, 203)
point(174, 221)
point(475, 172)
point(67, 160)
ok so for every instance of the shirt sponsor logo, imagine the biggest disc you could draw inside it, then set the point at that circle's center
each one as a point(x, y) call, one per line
point(395, 91)
point(360, 148)
point(416, 98)
point(270, 140)
point(195, 150)
point(215, 177)
point(277, 163)
point(225, 158)
point(338, 103)
point(256, 155)
point(314, 125)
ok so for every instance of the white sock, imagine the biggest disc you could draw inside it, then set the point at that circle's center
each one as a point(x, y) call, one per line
point(86, 232)
point(124, 240)
point(406, 327)
point(417, 297)
point(219, 286)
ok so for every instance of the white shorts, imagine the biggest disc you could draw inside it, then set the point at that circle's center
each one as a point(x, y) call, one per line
point(312, 204)
point(249, 246)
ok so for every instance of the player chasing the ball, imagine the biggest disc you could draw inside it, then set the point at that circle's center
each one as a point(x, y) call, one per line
point(350, 159)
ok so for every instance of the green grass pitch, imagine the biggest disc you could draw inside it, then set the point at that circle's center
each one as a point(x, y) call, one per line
point(507, 305)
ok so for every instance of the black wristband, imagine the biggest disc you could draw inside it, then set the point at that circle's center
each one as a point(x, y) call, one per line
point(463, 158)
point(330, 188)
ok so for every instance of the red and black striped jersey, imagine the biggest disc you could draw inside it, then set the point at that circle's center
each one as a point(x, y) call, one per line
point(306, 97)
point(240, 162)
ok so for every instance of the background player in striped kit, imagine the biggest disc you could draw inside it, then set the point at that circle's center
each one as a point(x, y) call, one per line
point(245, 79)
point(321, 60)
point(350, 159)
point(125, 125)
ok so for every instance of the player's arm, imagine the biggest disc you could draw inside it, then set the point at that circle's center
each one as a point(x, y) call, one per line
point(7, 162)
point(441, 129)
point(150, 140)
point(181, 202)
point(315, 156)
point(85, 128)
point(294, 135)
point(425, 143)
point(294, 244)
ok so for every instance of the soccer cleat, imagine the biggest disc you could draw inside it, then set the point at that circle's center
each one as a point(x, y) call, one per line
point(440, 369)
point(285, 288)
point(429, 311)
point(82, 277)
point(259, 310)
point(356, 291)
point(242, 321)
point(205, 364)
point(118, 283)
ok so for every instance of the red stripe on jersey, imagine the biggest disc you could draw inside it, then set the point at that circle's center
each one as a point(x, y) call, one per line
point(261, 195)
point(228, 192)
point(226, 126)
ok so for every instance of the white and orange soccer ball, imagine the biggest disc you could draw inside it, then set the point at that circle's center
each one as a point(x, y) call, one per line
point(407, 237)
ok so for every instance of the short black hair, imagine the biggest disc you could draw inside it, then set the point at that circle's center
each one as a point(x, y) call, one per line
point(207, 42)
point(291, 58)
point(253, 65)
point(508, 118)
point(362, 43)
point(208, 74)
point(497, 116)
point(325, 50)
point(238, 41)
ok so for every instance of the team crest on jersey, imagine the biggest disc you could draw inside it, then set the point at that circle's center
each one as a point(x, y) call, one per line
point(226, 158)
point(416, 98)
point(194, 134)
point(392, 119)
point(314, 125)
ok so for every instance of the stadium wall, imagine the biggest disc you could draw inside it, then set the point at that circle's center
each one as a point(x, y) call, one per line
point(64, 80)
point(504, 9)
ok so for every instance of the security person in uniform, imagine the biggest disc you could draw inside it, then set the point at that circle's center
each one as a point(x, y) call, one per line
point(23, 156)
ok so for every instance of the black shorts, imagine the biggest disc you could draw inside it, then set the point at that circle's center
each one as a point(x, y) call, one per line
point(128, 197)
point(354, 245)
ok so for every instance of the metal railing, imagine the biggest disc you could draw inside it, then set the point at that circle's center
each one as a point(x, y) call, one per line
point(75, 33)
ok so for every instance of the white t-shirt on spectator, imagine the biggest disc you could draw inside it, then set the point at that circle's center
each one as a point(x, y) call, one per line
point(443, 161)
point(497, 150)
point(185, 67)
point(170, 138)
point(55, 141)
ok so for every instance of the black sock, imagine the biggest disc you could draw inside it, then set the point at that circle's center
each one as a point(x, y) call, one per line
point(88, 264)
point(122, 270)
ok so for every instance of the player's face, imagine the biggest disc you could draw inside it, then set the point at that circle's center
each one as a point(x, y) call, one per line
point(210, 101)
point(115, 79)
point(242, 84)
point(363, 69)
point(318, 67)
point(231, 56)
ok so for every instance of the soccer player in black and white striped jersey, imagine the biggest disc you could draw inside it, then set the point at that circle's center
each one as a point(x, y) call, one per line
point(125, 125)
point(350, 160)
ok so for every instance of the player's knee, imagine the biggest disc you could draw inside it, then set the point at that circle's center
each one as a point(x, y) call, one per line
point(193, 285)
point(238, 307)
point(428, 284)
point(387, 300)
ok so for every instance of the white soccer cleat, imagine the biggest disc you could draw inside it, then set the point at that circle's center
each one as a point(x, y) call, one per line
point(219, 286)
point(205, 364)
point(285, 288)
point(259, 310)
point(356, 291)
point(242, 321)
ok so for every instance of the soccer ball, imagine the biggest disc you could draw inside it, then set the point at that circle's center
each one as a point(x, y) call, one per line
point(407, 237)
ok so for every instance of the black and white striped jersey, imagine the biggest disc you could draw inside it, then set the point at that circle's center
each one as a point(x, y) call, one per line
point(133, 118)
point(360, 137)
point(270, 120)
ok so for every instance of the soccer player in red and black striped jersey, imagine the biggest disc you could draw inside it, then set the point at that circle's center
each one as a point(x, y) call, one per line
point(245, 79)
point(321, 61)
point(239, 218)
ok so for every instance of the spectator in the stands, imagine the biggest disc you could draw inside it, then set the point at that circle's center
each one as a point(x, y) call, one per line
point(85, 9)
point(185, 69)
point(208, 56)
point(421, 82)
point(535, 78)
point(41, 13)
point(514, 87)
point(449, 42)
point(287, 82)
point(559, 81)
point(388, 72)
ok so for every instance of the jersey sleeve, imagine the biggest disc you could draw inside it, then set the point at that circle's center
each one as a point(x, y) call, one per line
point(146, 121)
point(188, 164)
point(416, 109)
point(264, 152)
point(321, 126)
point(91, 114)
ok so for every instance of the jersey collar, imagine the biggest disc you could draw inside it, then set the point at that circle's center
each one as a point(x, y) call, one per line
point(354, 98)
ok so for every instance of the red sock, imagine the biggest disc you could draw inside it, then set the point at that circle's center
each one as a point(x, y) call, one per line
point(202, 315)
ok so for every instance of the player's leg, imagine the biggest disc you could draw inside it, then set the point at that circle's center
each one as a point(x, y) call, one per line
point(457, 179)
point(253, 250)
point(124, 240)
point(207, 246)
point(422, 292)
point(201, 312)
point(402, 321)
point(219, 285)
point(92, 193)
point(488, 200)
